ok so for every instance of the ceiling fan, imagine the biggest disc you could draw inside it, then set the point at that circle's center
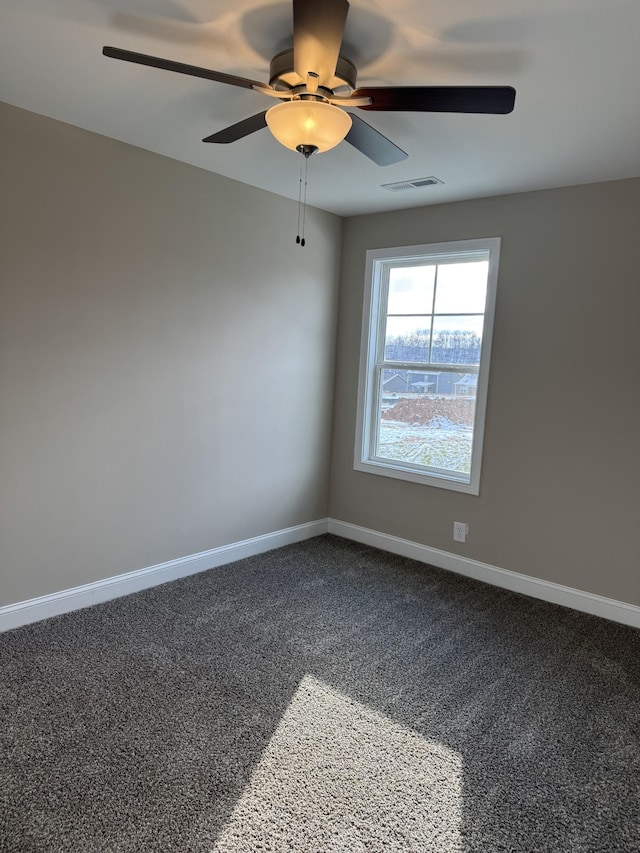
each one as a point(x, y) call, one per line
point(316, 85)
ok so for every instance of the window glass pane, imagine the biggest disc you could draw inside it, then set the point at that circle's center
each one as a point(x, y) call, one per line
point(407, 339)
point(411, 290)
point(462, 288)
point(457, 340)
point(428, 423)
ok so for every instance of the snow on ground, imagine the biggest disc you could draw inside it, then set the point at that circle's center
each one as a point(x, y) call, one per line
point(440, 444)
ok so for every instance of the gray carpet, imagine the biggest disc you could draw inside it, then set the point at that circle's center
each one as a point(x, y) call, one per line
point(325, 697)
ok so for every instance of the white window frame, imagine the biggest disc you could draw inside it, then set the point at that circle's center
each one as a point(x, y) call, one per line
point(373, 321)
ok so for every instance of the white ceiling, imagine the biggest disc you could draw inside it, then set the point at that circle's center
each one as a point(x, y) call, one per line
point(575, 65)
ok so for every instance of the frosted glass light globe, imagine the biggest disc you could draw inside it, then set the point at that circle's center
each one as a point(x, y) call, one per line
point(308, 123)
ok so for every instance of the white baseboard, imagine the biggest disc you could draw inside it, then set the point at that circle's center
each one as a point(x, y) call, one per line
point(35, 609)
point(587, 602)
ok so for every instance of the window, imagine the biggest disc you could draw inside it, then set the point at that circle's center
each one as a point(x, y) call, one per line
point(424, 371)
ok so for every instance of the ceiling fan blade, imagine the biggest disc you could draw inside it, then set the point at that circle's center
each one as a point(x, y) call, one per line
point(180, 67)
point(439, 99)
point(318, 27)
point(373, 144)
point(237, 131)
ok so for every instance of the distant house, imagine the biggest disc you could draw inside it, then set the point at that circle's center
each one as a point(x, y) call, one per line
point(432, 382)
point(435, 382)
point(467, 385)
point(423, 387)
point(395, 383)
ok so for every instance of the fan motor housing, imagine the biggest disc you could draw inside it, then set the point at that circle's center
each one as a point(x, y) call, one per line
point(283, 77)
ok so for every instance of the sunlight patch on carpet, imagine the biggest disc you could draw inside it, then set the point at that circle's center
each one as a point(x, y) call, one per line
point(337, 776)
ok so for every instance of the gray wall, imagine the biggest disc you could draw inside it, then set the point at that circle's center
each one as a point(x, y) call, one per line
point(166, 370)
point(166, 359)
point(560, 483)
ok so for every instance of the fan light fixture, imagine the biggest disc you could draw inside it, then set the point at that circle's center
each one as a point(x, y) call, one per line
point(308, 125)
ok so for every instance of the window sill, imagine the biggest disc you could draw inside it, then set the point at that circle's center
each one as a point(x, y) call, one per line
point(437, 481)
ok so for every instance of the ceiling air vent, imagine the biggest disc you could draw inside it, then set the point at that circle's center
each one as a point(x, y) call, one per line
point(413, 184)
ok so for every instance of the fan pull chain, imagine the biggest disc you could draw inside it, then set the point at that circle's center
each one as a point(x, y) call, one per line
point(304, 201)
point(299, 202)
point(302, 193)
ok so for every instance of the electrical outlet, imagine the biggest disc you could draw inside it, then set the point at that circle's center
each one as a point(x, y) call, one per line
point(460, 530)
